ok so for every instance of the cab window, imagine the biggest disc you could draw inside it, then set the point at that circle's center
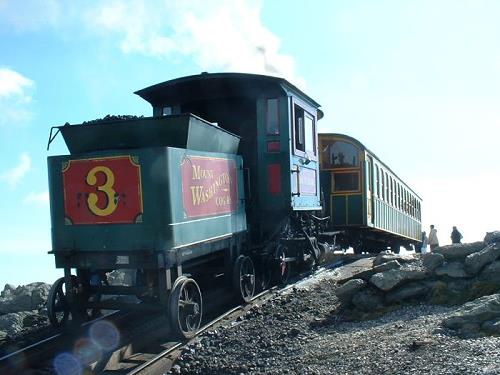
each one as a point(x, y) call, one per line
point(304, 131)
point(272, 117)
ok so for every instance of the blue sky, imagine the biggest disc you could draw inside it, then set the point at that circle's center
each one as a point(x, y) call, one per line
point(418, 82)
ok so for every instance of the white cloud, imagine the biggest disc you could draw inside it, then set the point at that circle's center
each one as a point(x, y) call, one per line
point(15, 97)
point(40, 198)
point(30, 15)
point(224, 35)
point(14, 175)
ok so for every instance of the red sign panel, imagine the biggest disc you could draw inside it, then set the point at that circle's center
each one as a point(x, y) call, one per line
point(102, 191)
point(209, 186)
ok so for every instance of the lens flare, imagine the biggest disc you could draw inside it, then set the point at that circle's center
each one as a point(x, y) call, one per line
point(67, 364)
point(105, 335)
point(87, 351)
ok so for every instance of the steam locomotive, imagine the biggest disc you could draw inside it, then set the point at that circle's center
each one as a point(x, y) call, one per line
point(224, 177)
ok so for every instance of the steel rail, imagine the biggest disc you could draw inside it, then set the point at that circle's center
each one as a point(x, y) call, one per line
point(17, 356)
point(210, 324)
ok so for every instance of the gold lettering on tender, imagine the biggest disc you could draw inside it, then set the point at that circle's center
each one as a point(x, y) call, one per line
point(203, 194)
point(199, 173)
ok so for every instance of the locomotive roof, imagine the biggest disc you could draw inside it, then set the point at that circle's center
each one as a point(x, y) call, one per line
point(363, 147)
point(219, 85)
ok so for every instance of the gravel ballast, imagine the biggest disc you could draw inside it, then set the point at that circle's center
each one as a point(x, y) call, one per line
point(301, 331)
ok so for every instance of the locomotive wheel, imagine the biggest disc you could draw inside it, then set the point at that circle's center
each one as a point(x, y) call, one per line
point(185, 307)
point(244, 278)
point(57, 304)
point(282, 267)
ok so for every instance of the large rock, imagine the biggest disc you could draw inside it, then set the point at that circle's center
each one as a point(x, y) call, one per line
point(386, 256)
point(13, 323)
point(469, 318)
point(387, 280)
point(7, 290)
point(491, 273)
point(491, 327)
point(459, 251)
point(476, 261)
point(492, 237)
point(390, 265)
point(431, 261)
point(409, 291)
point(452, 269)
point(367, 300)
point(24, 298)
point(346, 291)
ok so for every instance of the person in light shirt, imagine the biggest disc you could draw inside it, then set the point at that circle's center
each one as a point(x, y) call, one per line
point(433, 238)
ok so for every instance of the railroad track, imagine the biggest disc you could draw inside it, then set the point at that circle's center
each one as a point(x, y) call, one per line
point(142, 348)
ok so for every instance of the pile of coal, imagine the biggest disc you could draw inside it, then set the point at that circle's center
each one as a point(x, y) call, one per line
point(111, 118)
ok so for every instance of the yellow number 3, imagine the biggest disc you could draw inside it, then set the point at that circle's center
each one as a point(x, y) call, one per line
point(106, 188)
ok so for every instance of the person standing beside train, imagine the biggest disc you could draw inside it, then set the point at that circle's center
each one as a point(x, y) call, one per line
point(425, 240)
point(456, 236)
point(433, 238)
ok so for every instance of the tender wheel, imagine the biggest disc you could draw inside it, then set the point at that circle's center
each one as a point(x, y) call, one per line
point(185, 307)
point(57, 305)
point(244, 278)
point(282, 267)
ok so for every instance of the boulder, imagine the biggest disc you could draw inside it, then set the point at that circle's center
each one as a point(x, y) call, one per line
point(8, 289)
point(406, 292)
point(459, 251)
point(12, 323)
point(365, 275)
point(451, 293)
point(491, 273)
point(367, 300)
point(491, 327)
point(24, 298)
point(431, 261)
point(469, 318)
point(347, 290)
point(452, 269)
point(387, 256)
point(389, 279)
point(476, 261)
point(492, 237)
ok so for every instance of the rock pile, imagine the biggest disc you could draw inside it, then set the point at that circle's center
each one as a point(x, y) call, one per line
point(22, 308)
point(450, 275)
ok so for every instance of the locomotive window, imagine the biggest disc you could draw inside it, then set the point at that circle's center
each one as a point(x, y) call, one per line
point(167, 111)
point(304, 131)
point(299, 129)
point(272, 116)
point(346, 181)
point(339, 154)
point(309, 134)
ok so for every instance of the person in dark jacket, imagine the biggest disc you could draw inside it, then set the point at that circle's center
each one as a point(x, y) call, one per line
point(456, 236)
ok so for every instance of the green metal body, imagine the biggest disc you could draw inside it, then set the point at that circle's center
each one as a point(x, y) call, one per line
point(165, 235)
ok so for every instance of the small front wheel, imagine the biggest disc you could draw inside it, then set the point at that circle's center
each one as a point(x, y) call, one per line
point(185, 308)
point(244, 278)
point(57, 304)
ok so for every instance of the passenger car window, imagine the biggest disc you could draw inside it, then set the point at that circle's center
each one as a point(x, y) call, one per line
point(346, 181)
point(340, 154)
